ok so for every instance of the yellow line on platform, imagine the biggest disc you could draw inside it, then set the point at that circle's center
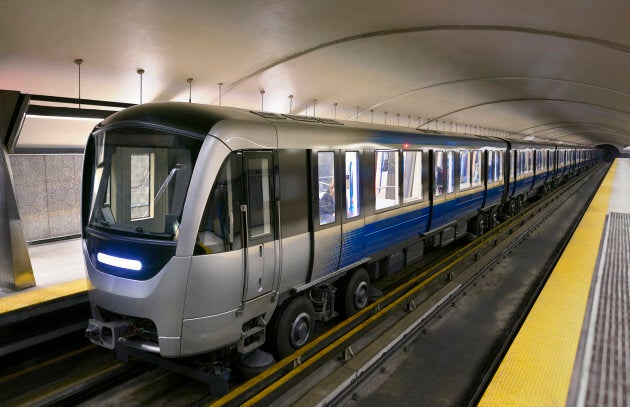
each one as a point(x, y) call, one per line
point(16, 301)
point(537, 369)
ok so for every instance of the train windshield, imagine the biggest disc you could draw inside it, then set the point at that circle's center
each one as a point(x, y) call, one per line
point(140, 181)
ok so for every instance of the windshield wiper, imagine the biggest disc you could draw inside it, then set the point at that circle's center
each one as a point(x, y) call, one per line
point(168, 180)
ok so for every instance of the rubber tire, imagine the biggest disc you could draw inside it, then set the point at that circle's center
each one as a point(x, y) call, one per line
point(480, 225)
point(346, 304)
point(279, 329)
point(493, 220)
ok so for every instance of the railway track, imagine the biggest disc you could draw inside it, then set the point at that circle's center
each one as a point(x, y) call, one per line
point(427, 287)
point(481, 316)
point(430, 286)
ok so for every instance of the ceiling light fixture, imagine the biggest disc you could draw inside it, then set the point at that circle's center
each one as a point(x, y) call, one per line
point(372, 112)
point(140, 72)
point(398, 117)
point(220, 84)
point(314, 103)
point(335, 109)
point(290, 104)
point(189, 80)
point(386, 118)
point(357, 119)
point(78, 62)
point(262, 99)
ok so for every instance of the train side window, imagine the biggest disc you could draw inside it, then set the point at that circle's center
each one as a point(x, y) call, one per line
point(464, 169)
point(450, 172)
point(476, 168)
point(353, 208)
point(220, 227)
point(439, 173)
point(326, 186)
point(386, 180)
point(491, 166)
point(412, 176)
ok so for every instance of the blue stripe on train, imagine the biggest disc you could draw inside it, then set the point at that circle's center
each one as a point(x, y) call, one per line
point(378, 236)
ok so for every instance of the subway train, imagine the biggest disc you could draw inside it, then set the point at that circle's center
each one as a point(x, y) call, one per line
point(210, 228)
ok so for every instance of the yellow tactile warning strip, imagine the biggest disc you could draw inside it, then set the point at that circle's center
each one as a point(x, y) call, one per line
point(537, 369)
point(36, 296)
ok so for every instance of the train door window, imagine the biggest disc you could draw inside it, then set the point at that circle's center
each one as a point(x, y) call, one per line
point(141, 182)
point(538, 160)
point(527, 162)
point(259, 196)
point(439, 173)
point(450, 172)
point(491, 166)
point(464, 169)
point(386, 180)
point(412, 176)
point(326, 186)
point(546, 160)
point(476, 168)
point(352, 184)
point(498, 165)
point(220, 228)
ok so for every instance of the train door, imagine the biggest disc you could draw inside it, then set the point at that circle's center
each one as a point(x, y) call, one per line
point(326, 220)
point(260, 242)
point(441, 171)
point(352, 213)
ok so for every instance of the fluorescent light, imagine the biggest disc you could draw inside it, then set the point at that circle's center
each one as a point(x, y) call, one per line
point(36, 116)
point(119, 262)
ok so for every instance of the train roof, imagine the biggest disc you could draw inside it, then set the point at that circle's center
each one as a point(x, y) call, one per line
point(192, 118)
point(198, 120)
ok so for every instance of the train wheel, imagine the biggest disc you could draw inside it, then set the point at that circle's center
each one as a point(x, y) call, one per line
point(494, 220)
point(480, 224)
point(512, 209)
point(292, 326)
point(354, 292)
point(521, 203)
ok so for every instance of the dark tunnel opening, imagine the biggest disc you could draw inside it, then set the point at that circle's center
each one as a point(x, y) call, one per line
point(611, 152)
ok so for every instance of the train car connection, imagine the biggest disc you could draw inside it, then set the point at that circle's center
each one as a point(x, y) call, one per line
point(208, 228)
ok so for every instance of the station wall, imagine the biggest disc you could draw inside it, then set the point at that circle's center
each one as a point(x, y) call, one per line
point(48, 193)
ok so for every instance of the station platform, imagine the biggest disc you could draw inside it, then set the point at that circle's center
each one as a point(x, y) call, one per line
point(574, 346)
point(59, 272)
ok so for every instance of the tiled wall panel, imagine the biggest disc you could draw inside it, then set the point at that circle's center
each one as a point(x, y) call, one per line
point(48, 189)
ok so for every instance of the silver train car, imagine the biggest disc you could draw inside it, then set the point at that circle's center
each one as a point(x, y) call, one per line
point(210, 228)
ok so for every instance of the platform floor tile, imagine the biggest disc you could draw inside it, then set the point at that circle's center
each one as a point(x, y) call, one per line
point(537, 369)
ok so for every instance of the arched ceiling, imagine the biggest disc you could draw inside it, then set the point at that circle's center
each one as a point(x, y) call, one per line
point(537, 69)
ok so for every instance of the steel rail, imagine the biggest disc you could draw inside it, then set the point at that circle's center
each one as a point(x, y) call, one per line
point(264, 387)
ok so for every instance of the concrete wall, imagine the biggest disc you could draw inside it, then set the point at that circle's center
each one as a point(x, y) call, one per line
point(48, 193)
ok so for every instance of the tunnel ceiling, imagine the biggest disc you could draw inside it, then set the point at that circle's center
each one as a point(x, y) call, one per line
point(542, 70)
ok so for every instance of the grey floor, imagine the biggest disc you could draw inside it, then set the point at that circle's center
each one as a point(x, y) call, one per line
point(55, 263)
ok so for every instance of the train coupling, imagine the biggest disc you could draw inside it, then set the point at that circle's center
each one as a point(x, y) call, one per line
point(105, 334)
